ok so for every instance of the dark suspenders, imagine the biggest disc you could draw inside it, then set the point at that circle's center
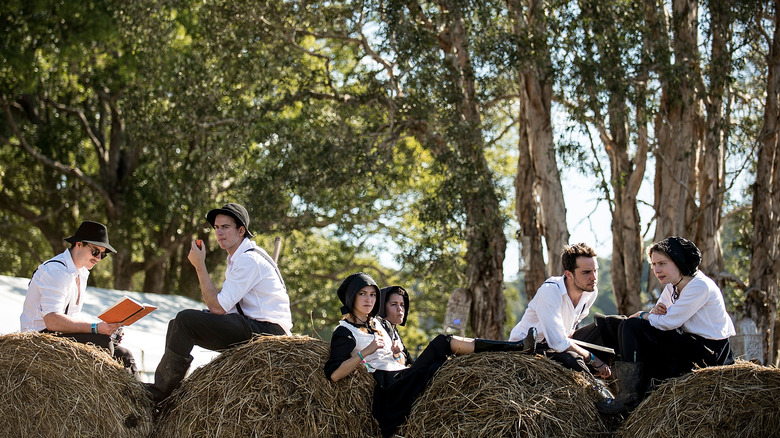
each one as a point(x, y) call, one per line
point(272, 262)
point(581, 310)
point(46, 263)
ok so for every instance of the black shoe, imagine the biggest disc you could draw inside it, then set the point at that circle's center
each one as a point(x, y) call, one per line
point(629, 378)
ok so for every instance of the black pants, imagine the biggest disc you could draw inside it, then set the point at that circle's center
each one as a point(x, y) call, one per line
point(669, 353)
point(570, 359)
point(214, 332)
point(121, 354)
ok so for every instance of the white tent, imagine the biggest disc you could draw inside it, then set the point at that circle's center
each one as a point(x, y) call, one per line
point(145, 339)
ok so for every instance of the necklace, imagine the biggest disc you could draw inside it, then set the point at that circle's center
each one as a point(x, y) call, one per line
point(676, 293)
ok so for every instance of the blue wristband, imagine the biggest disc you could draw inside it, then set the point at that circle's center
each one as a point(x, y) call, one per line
point(94, 328)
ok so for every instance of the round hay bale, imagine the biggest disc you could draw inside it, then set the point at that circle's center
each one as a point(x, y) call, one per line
point(54, 387)
point(740, 400)
point(505, 394)
point(273, 386)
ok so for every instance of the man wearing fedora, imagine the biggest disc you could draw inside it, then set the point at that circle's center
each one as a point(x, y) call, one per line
point(253, 301)
point(55, 294)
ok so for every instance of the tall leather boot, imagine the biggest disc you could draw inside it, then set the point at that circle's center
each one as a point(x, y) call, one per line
point(168, 375)
point(629, 376)
point(527, 345)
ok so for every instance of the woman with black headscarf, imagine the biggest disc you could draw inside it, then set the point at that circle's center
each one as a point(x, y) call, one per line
point(361, 339)
point(394, 309)
point(689, 325)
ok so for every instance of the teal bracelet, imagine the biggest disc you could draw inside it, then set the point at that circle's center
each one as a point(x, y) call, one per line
point(642, 314)
point(94, 328)
point(360, 355)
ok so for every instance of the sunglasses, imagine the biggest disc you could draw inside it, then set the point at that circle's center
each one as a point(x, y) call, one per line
point(96, 252)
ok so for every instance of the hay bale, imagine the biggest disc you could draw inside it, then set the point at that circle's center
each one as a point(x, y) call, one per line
point(739, 400)
point(505, 394)
point(271, 387)
point(54, 387)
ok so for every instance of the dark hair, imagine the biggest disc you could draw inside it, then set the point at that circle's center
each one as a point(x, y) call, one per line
point(395, 290)
point(572, 252)
point(681, 251)
point(351, 286)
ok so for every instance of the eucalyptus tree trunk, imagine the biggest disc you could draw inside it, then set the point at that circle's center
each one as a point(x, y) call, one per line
point(626, 179)
point(761, 299)
point(528, 23)
point(678, 121)
point(533, 126)
point(712, 156)
point(626, 173)
point(526, 210)
point(485, 240)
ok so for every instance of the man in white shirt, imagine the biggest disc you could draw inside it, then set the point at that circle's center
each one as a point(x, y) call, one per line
point(558, 307)
point(253, 301)
point(56, 291)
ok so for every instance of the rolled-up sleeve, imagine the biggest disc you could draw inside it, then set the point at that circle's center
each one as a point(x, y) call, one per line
point(548, 311)
point(54, 289)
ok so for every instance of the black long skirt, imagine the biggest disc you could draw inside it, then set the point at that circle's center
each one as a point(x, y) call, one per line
point(396, 391)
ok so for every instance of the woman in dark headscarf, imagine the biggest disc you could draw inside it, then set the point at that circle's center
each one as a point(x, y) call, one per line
point(362, 340)
point(689, 325)
point(394, 309)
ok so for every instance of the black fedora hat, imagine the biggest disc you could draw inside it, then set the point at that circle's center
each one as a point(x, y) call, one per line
point(92, 232)
point(236, 211)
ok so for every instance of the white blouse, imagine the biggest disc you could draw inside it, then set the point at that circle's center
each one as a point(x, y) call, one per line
point(699, 310)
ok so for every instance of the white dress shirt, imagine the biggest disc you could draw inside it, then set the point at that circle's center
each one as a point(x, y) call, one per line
point(700, 310)
point(53, 289)
point(553, 314)
point(251, 279)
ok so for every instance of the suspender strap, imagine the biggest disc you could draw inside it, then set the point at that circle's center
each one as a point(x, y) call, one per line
point(270, 260)
point(46, 263)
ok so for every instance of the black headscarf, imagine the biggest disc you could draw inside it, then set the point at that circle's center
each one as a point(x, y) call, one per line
point(683, 253)
point(351, 286)
point(385, 294)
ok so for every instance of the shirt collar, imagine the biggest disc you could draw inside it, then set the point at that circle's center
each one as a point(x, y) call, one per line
point(67, 257)
point(245, 245)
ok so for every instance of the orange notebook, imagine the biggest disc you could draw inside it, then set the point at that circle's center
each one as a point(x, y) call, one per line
point(126, 311)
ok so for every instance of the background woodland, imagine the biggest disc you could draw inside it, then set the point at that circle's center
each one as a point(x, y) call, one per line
point(432, 131)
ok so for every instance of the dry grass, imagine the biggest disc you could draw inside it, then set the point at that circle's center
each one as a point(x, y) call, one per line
point(271, 387)
point(505, 395)
point(54, 387)
point(741, 400)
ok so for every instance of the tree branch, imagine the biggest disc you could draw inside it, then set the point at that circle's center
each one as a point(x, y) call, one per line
point(46, 161)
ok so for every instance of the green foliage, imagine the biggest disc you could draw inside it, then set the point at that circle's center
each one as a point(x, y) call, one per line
point(159, 111)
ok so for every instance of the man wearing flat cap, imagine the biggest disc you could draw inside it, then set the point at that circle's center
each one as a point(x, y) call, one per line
point(253, 301)
point(56, 291)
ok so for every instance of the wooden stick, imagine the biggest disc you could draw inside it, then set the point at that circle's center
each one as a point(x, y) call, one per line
point(277, 248)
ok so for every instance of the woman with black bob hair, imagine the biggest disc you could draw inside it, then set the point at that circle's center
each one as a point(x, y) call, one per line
point(361, 339)
point(688, 327)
